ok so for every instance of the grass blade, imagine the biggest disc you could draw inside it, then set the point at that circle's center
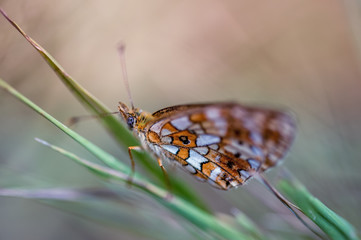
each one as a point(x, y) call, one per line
point(95, 150)
point(113, 126)
point(203, 220)
point(333, 225)
point(248, 225)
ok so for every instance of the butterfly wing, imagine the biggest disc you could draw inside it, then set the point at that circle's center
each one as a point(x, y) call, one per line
point(225, 143)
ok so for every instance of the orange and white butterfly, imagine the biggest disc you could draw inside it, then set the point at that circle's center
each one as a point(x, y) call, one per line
point(222, 143)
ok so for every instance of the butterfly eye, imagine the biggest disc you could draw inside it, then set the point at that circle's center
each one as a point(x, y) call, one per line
point(130, 122)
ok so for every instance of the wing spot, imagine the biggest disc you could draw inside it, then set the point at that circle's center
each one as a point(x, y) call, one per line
point(237, 132)
point(230, 164)
point(184, 140)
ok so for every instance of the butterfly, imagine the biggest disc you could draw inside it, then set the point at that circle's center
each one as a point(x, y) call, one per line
point(224, 144)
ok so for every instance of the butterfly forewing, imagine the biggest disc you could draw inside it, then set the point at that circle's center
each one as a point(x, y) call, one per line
point(224, 144)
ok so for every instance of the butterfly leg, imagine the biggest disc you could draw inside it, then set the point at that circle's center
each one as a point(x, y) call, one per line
point(167, 181)
point(130, 177)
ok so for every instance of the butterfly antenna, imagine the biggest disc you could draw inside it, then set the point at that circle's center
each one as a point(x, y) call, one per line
point(121, 50)
point(287, 203)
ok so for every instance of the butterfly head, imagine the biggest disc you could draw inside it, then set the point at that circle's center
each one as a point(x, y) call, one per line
point(135, 118)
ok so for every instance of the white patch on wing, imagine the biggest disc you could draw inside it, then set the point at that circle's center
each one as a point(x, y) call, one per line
point(196, 160)
point(157, 126)
point(165, 132)
point(234, 183)
point(254, 163)
point(170, 148)
point(270, 145)
point(216, 127)
point(167, 140)
point(273, 157)
point(215, 173)
point(201, 150)
point(244, 174)
point(256, 138)
point(207, 139)
point(157, 150)
point(221, 123)
point(213, 113)
point(257, 151)
point(221, 126)
point(259, 117)
point(287, 129)
point(181, 123)
point(239, 113)
point(197, 128)
point(241, 148)
point(199, 131)
point(214, 146)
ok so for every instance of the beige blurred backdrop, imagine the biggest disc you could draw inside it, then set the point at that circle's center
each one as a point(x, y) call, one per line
point(298, 55)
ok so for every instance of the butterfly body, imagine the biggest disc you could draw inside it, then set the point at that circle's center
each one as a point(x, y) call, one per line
point(223, 143)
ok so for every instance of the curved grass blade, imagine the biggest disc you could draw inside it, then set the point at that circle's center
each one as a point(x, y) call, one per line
point(203, 220)
point(113, 126)
point(248, 225)
point(333, 225)
point(180, 207)
point(112, 208)
point(62, 194)
point(92, 148)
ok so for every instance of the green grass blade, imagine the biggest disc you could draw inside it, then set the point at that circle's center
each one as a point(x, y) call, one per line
point(102, 171)
point(111, 207)
point(333, 225)
point(92, 148)
point(113, 126)
point(202, 219)
point(248, 225)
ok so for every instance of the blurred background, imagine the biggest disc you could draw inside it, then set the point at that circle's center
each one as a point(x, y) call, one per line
point(298, 55)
